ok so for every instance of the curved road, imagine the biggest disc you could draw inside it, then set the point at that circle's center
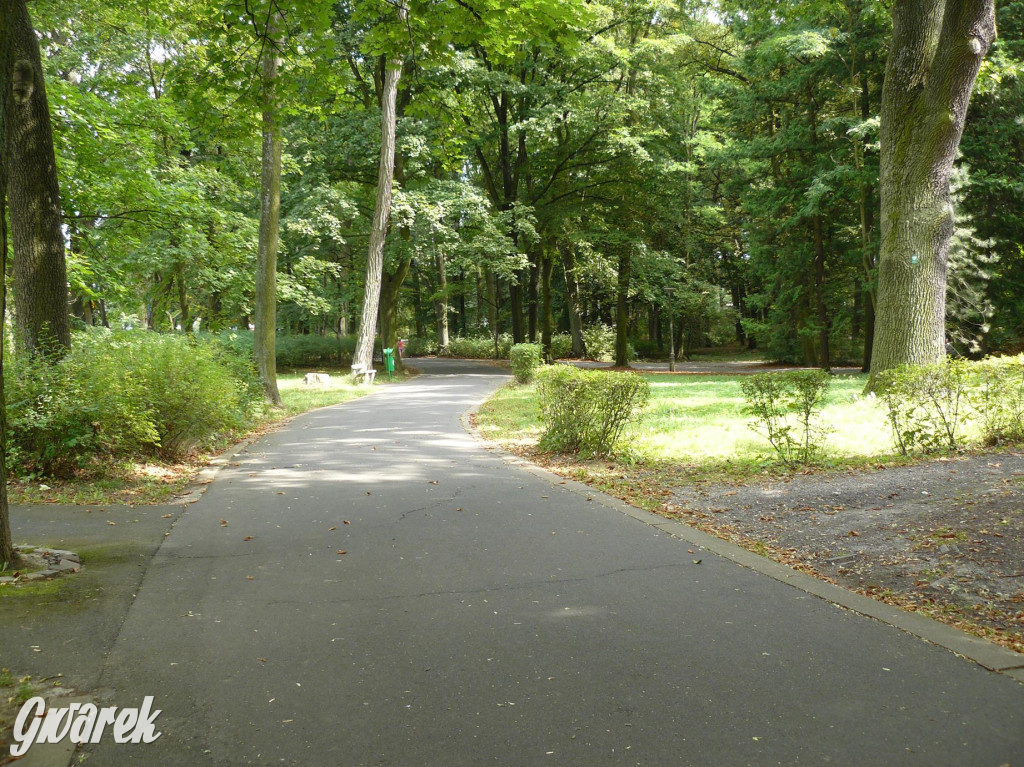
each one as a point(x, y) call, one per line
point(481, 614)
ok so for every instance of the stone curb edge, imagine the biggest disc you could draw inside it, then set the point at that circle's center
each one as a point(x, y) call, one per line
point(986, 654)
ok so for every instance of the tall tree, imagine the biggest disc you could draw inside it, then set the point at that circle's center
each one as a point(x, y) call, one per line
point(265, 334)
point(40, 272)
point(363, 355)
point(8, 556)
point(937, 49)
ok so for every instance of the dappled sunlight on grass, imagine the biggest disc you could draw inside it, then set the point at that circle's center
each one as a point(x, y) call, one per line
point(699, 420)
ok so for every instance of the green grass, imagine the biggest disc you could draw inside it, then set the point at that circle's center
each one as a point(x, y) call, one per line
point(699, 421)
point(298, 398)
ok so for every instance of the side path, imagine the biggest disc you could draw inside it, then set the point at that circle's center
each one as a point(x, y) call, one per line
point(371, 586)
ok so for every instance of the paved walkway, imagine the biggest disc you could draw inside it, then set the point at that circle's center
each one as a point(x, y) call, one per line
point(370, 586)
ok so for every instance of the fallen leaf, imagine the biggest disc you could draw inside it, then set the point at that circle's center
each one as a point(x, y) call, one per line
point(345, 522)
point(166, 516)
point(223, 523)
point(434, 482)
point(697, 561)
point(853, 534)
point(367, 492)
point(280, 492)
point(342, 551)
point(332, 528)
point(247, 538)
point(250, 577)
point(262, 660)
point(111, 522)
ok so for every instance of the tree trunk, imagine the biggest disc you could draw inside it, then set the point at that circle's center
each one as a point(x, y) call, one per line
point(515, 295)
point(937, 49)
point(8, 556)
point(381, 214)
point(441, 296)
point(265, 315)
point(546, 264)
point(572, 294)
point(622, 311)
point(391, 286)
point(532, 296)
point(824, 351)
point(40, 271)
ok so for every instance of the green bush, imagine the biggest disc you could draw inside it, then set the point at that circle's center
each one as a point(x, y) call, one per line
point(786, 408)
point(526, 359)
point(586, 411)
point(122, 395)
point(314, 351)
point(600, 342)
point(561, 346)
point(294, 351)
point(997, 396)
point(480, 348)
point(420, 347)
point(925, 404)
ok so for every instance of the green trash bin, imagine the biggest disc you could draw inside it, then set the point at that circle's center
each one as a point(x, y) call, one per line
point(389, 361)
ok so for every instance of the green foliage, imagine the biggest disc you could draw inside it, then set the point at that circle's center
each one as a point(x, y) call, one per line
point(786, 408)
point(122, 395)
point(420, 347)
point(526, 359)
point(600, 342)
point(997, 395)
point(925, 404)
point(480, 348)
point(586, 411)
point(561, 346)
point(297, 351)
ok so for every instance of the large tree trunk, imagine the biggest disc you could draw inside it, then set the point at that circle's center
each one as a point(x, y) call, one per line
point(515, 295)
point(391, 286)
point(572, 294)
point(622, 310)
point(40, 272)
point(937, 48)
point(441, 296)
point(381, 215)
point(546, 264)
point(8, 556)
point(265, 321)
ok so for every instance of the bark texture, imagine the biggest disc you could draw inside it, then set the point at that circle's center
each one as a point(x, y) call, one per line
point(937, 49)
point(39, 269)
point(8, 556)
point(265, 320)
point(381, 215)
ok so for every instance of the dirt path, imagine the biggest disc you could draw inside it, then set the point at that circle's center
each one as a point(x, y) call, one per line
point(945, 537)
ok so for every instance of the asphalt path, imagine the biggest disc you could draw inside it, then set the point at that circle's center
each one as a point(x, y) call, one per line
point(371, 586)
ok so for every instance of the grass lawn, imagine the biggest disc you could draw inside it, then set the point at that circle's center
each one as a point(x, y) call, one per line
point(156, 482)
point(698, 421)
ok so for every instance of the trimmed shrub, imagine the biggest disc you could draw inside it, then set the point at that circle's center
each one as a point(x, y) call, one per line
point(526, 359)
point(786, 408)
point(586, 411)
point(925, 404)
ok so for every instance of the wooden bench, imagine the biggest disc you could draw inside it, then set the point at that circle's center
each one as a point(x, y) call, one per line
point(362, 372)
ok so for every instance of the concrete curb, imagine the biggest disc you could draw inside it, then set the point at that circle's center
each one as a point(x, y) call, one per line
point(986, 654)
